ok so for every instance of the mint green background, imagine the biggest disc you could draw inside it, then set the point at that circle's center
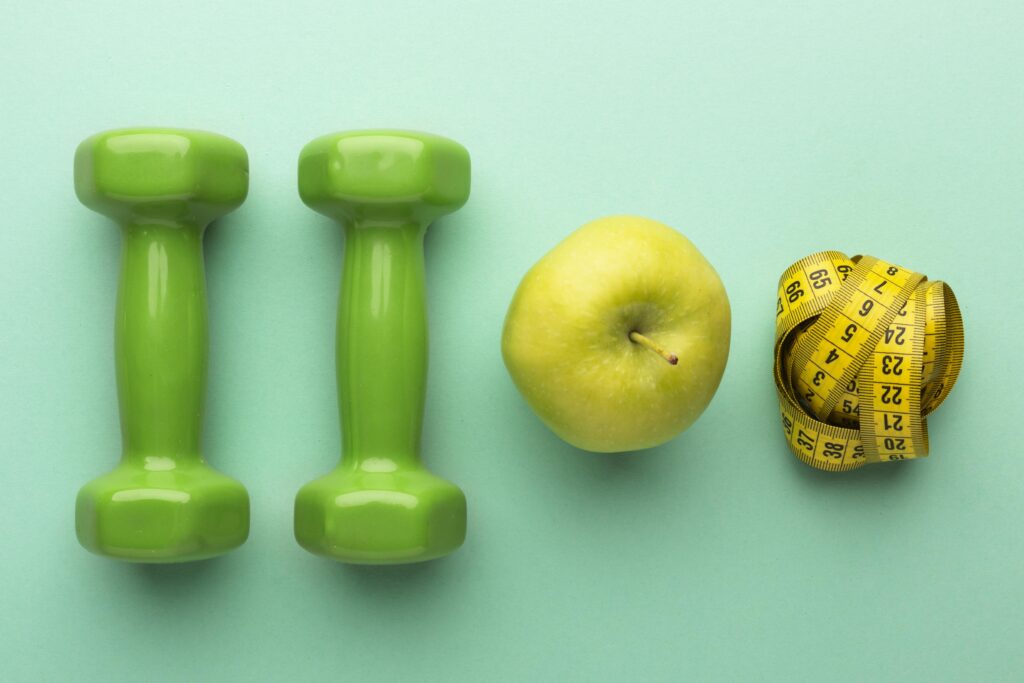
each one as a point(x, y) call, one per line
point(763, 131)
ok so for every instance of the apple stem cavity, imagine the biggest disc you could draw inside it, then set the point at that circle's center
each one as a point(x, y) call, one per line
point(648, 343)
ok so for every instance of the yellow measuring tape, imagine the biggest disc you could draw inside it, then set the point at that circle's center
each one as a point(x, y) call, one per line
point(864, 350)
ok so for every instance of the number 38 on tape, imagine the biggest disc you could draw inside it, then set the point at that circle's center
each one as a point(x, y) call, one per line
point(864, 350)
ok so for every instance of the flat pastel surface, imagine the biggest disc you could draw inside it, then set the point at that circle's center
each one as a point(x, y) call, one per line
point(762, 131)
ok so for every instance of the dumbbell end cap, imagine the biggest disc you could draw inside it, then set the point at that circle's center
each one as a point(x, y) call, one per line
point(387, 175)
point(168, 174)
point(380, 518)
point(191, 513)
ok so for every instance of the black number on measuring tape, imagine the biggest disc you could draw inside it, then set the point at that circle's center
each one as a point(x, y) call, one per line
point(778, 308)
point(895, 443)
point(892, 270)
point(893, 422)
point(794, 291)
point(892, 394)
point(892, 365)
point(858, 451)
point(878, 288)
point(849, 408)
point(820, 278)
point(843, 270)
point(894, 334)
point(803, 439)
point(818, 376)
point(787, 425)
point(852, 386)
point(833, 449)
point(851, 330)
point(832, 356)
point(866, 307)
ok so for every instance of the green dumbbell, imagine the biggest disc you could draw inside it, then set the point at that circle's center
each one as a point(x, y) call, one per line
point(380, 506)
point(162, 503)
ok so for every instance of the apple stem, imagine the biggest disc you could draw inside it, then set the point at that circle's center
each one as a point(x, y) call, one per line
point(647, 343)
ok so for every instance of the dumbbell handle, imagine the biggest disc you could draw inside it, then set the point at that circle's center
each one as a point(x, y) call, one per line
point(382, 345)
point(161, 341)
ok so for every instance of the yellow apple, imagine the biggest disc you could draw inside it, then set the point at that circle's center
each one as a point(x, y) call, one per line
point(618, 337)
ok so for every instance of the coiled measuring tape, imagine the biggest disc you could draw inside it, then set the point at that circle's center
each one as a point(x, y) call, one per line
point(864, 350)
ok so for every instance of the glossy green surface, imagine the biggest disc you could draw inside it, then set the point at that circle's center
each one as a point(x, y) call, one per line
point(380, 505)
point(162, 503)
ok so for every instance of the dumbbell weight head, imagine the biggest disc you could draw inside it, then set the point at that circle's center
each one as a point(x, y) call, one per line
point(191, 512)
point(139, 174)
point(360, 517)
point(162, 503)
point(384, 175)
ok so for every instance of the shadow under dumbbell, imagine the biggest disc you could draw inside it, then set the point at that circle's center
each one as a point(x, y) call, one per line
point(382, 581)
point(177, 575)
point(176, 586)
point(386, 574)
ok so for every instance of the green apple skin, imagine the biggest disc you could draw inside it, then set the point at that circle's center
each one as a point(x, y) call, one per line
point(566, 339)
